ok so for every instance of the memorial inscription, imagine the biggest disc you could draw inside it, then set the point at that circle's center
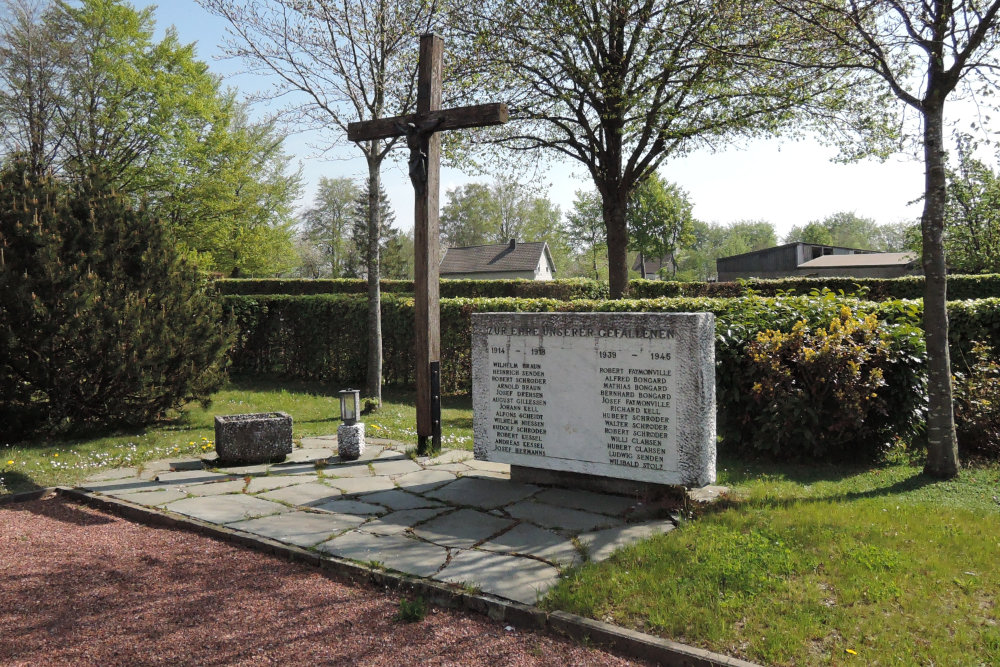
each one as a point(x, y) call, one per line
point(626, 395)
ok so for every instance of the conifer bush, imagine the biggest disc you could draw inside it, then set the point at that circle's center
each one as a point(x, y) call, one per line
point(103, 322)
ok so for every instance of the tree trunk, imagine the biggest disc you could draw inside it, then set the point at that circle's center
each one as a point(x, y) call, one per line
point(373, 381)
point(614, 220)
point(942, 444)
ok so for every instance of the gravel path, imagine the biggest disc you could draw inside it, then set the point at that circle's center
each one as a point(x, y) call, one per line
point(81, 587)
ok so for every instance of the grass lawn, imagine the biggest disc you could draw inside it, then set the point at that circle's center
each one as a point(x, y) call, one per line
point(799, 565)
point(315, 410)
point(819, 565)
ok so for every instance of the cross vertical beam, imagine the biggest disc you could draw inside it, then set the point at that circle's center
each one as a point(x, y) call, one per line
point(420, 130)
point(426, 242)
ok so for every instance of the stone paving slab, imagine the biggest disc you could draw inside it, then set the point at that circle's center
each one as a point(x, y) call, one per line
point(226, 509)
point(303, 529)
point(395, 552)
point(153, 498)
point(350, 506)
point(464, 528)
point(450, 517)
point(113, 487)
point(310, 454)
point(362, 484)
point(450, 456)
point(601, 544)
point(396, 467)
point(399, 499)
point(215, 488)
point(396, 523)
point(529, 540)
point(424, 480)
point(191, 477)
point(319, 441)
point(513, 577)
point(488, 466)
point(353, 469)
point(485, 474)
point(562, 518)
point(483, 493)
point(289, 469)
point(309, 493)
point(589, 501)
point(267, 483)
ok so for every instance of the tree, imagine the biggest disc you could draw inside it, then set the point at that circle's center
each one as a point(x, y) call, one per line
point(622, 85)
point(103, 97)
point(226, 190)
point(659, 219)
point(972, 216)
point(480, 214)
point(813, 232)
point(342, 62)
point(585, 229)
point(922, 51)
point(104, 322)
point(329, 222)
point(848, 230)
point(31, 83)
point(360, 216)
point(711, 241)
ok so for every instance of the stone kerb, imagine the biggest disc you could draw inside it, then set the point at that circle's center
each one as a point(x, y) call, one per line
point(628, 396)
point(261, 437)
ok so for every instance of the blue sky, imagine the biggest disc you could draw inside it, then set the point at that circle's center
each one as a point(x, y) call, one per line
point(785, 182)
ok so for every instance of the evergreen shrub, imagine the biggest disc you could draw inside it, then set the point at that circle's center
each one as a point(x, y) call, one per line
point(102, 322)
point(823, 392)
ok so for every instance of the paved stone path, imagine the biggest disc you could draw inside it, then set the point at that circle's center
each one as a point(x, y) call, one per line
point(449, 518)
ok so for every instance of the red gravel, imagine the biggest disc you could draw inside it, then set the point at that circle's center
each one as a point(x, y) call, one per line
point(81, 587)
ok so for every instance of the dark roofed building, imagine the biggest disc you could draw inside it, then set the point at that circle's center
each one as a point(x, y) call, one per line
point(649, 267)
point(812, 259)
point(499, 261)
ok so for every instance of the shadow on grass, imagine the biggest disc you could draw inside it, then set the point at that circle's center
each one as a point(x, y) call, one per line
point(912, 484)
point(16, 482)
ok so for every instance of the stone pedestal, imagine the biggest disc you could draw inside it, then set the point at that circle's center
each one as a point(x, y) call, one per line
point(263, 437)
point(350, 441)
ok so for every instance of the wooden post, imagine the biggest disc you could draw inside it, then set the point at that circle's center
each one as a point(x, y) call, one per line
point(420, 130)
point(426, 245)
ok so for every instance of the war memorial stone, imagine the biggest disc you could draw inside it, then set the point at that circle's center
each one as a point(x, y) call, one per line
point(629, 396)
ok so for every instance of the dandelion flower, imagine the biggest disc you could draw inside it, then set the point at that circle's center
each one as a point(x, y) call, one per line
point(10, 463)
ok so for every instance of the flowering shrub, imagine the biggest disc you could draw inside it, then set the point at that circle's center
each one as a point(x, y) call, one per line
point(826, 391)
point(977, 404)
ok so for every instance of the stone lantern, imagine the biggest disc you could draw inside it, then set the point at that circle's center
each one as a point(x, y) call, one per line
point(351, 432)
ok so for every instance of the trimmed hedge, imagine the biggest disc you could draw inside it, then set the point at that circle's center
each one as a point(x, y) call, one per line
point(322, 337)
point(567, 290)
point(960, 287)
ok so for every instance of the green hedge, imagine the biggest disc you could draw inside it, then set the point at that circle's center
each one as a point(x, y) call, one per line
point(960, 288)
point(322, 337)
point(567, 290)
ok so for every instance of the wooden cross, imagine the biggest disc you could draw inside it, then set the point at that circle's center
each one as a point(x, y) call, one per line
point(420, 130)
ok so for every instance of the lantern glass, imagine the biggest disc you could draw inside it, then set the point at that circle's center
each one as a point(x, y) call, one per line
point(349, 401)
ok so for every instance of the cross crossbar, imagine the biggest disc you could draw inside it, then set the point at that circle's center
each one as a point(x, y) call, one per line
point(457, 118)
